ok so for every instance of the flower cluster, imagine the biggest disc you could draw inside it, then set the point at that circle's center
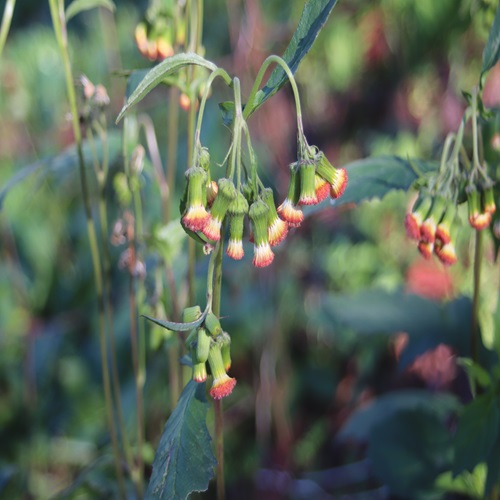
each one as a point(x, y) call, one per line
point(207, 204)
point(209, 343)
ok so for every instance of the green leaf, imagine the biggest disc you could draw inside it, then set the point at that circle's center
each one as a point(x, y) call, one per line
point(493, 464)
point(476, 433)
point(376, 177)
point(179, 327)
point(156, 75)
point(184, 460)
point(362, 422)
point(409, 450)
point(475, 371)
point(466, 483)
point(491, 52)
point(78, 6)
point(312, 19)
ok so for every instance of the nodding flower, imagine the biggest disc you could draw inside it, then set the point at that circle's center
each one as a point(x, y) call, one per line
point(429, 225)
point(443, 229)
point(488, 197)
point(223, 384)
point(479, 218)
point(225, 195)
point(307, 171)
point(277, 229)
point(258, 214)
point(236, 214)
point(322, 188)
point(414, 219)
point(195, 215)
point(426, 248)
point(446, 253)
point(336, 177)
point(288, 210)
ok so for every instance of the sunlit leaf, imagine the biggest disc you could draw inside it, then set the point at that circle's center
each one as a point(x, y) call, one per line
point(491, 52)
point(156, 75)
point(373, 178)
point(312, 19)
point(78, 6)
point(179, 327)
point(184, 461)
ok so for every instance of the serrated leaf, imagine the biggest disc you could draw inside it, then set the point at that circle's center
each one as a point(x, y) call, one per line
point(409, 450)
point(376, 177)
point(184, 460)
point(477, 432)
point(361, 423)
point(156, 75)
point(312, 19)
point(78, 6)
point(63, 162)
point(179, 327)
point(491, 52)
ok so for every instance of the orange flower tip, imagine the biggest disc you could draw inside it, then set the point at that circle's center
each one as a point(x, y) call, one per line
point(212, 229)
point(293, 216)
point(227, 366)
point(443, 234)
point(200, 378)
point(412, 226)
point(222, 387)
point(322, 189)
point(426, 249)
point(447, 254)
point(196, 218)
point(481, 221)
point(263, 255)
point(428, 230)
point(277, 232)
point(490, 208)
point(235, 249)
point(165, 49)
point(337, 189)
point(309, 200)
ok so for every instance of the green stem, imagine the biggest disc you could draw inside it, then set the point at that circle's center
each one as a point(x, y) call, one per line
point(478, 259)
point(6, 20)
point(172, 137)
point(59, 24)
point(475, 148)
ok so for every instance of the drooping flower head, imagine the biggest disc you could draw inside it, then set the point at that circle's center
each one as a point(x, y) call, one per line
point(277, 228)
point(225, 342)
point(307, 171)
point(426, 248)
point(322, 188)
point(336, 177)
point(478, 218)
point(443, 230)
point(195, 215)
point(414, 219)
point(258, 214)
point(429, 225)
point(236, 214)
point(489, 200)
point(212, 190)
point(222, 385)
point(444, 246)
point(225, 195)
point(288, 210)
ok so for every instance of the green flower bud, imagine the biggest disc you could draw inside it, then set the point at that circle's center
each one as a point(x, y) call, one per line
point(225, 195)
point(308, 183)
point(212, 324)
point(191, 314)
point(203, 345)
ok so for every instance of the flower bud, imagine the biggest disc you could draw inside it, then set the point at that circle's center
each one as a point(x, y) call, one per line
point(202, 345)
point(225, 195)
point(212, 324)
point(489, 200)
point(204, 159)
point(249, 192)
point(225, 342)
point(307, 172)
point(199, 367)
point(336, 177)
point(443, 230)
point(258, 214)
point(165, 48)
point(195, 217)
point(212, 190)
point(236, 213)
point(322, 188)
point(426, 248)
point(191, 314)
point(277, 229)
point(446, 251)
point(288, 210)
point(478, 218)
point(141, 38)
point(222, 385)
point(414, 219)
point(429, 225)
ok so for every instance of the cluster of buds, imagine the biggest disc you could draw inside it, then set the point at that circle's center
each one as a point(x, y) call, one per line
point(209, 343)
point(207, 204)
point(311, 181)
point(155, 41)
point(433, 223)
point(481, 205)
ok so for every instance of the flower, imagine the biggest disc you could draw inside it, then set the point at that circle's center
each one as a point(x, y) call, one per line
point(337, 178)
point(446, 253)
point(199, 372)
point(322, 188)
point(288, 210)
point(225, 195)
point(236, 214)
point(307, 170)
point(478, 219)
point(489, 200)
point(195, 215)
point(258, 214)
point(426, 248)
point(443, 229)
point(481, 221)
point(429, 225)
point(277, 229)
point(222, 385)
point(212, 189)
point(414, 219)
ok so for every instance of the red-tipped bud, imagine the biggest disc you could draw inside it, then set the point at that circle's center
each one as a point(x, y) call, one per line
point(225, 341)
point(337, 188)
point(141, 38)
point(429, 225)
point(414, 219)
point(165, 48)
point(195, 216)
point(288, 210)
point(277, 229)
point(446, 253)
point(258, 214)
point(222, 385)
point(481, 221)
point(322, 188)
point(199, 372)
point(236, 213)
point(472, 202)
point(225, 195)
point(489, 200)
point(443, 230)
point(307, 170)
point(426, 249)
point(337, 178)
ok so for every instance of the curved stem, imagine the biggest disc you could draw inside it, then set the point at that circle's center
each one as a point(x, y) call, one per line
point(6, 20)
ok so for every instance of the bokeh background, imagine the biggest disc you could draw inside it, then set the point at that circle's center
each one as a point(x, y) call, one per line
point(384, 77)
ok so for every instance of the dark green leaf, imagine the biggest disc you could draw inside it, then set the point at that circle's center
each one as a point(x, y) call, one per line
point(156, 75)
point(493, 463)
point(179, 327)
point(312, 19)
point(476, 433)
point(375, 177)
point(78, 6)
point(409, 450)
point(64, 162)
point(491, 52)
point(184, 460)
point(361, 424)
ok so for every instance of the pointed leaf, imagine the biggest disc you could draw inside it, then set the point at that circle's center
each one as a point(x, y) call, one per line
point(179, 327)
point(312, 19)
point(156, 75)
point(78, 6)
point(184, 460)
point(491, 52)
point(376, 177)
point(476, 433)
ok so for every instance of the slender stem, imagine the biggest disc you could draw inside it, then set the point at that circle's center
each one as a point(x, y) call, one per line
point(475, 148)
point(478, 259)
point(59, 24)
point(6, 20)
point(172, 136)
